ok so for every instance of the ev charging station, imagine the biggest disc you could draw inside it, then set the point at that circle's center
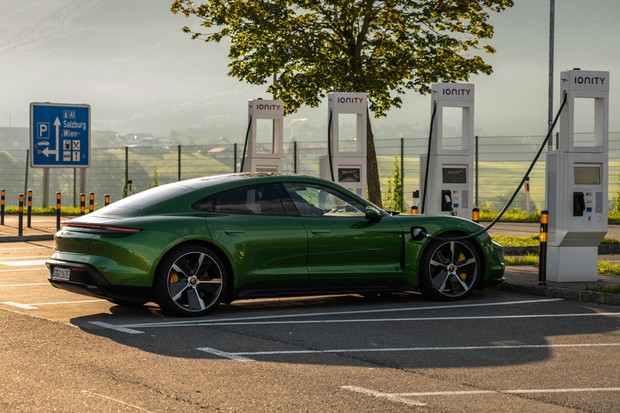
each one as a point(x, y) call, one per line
point(265, 136)
point(449, 182)
point(345, 163)
point(577, 175)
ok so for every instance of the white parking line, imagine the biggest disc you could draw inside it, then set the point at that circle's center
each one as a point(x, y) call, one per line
point(121, 402)
point(244, 354)
point(35, 306)
point(364, 320)
point(22, 285)
point(30, 263)
point(22, 270)
point(403, 397)
point(21, 257)
point(224, 354)
point(253, 320)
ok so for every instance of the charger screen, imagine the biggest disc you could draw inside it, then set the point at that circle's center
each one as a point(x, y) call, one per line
point(587, 175)
point(454, 175)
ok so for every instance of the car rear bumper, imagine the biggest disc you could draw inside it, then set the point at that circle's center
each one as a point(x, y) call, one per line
point(86, 280)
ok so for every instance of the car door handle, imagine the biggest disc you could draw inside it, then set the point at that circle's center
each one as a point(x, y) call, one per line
point(234, 231)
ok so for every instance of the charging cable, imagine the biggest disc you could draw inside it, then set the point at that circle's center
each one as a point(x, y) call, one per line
point(245, 145)
point(329, 145)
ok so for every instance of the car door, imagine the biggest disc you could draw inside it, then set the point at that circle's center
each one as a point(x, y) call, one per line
point(344, 248)
point(266, 248)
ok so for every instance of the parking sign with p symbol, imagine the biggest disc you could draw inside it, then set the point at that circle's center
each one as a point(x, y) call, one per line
point(43, 130)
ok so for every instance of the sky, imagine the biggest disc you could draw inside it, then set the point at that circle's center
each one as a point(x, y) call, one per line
point(131, 62)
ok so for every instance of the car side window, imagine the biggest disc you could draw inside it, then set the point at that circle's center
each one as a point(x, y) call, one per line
point(250, 200)
point(316, 200)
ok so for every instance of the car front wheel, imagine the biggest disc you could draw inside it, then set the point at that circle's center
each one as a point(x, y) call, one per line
point(450, 269)
point(191, 281)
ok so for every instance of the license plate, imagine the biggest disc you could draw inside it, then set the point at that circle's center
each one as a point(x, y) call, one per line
point(60, 273)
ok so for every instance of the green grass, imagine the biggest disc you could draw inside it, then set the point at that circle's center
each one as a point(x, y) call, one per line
point(534, 240)
point(13, 210)
point(602, 289)
point(517, 215)
point(527, 259)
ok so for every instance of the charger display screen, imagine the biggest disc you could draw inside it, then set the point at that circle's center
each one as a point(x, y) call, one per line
point(587, 175)
point(454, 175)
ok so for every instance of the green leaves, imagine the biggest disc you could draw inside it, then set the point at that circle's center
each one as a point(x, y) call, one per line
point(383, 48)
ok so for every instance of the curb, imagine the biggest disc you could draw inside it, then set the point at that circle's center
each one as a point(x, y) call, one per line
point(594, 297)
point(25, 238)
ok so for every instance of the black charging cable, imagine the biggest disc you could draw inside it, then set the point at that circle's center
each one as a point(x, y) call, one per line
point(421, 232)
point(245, 145)
point(329, 145)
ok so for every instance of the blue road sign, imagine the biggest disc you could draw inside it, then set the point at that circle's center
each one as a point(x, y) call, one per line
point(59, 135)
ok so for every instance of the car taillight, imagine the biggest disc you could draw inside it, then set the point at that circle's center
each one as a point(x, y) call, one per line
point(100, 229)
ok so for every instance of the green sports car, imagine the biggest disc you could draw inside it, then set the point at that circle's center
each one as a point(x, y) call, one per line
point(193, 244)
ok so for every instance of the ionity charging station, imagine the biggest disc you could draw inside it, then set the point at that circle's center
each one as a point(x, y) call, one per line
point(577, 175)
point(345, 162)
point(265, 136)
point(448, 179)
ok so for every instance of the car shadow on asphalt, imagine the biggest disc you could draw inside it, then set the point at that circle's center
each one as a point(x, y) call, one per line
point(491, 328)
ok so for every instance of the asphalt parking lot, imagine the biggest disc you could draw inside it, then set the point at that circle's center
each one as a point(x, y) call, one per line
point(497, 351)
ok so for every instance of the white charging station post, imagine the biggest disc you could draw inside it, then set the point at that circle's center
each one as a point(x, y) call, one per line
point(450, 170)
point(265, 137)
point(345, 163)
point(577, 192)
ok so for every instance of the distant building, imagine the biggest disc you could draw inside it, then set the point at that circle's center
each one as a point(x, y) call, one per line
point(14, 138)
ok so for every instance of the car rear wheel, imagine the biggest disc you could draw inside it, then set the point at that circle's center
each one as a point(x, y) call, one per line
point(191, 281)
point(450, 270)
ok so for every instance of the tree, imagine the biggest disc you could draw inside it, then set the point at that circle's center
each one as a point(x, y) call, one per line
point(315, 47)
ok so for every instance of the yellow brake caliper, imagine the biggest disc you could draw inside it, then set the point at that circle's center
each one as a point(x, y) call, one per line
point(463, 275)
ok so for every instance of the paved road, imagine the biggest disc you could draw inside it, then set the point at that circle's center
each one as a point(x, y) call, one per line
point(497, 351)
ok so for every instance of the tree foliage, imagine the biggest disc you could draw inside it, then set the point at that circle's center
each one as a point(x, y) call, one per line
point(383, 48)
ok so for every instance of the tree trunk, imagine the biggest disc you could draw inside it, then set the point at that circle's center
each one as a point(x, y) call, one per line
point(372, 167)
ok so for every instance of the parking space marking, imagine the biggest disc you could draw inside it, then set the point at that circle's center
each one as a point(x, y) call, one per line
point(253, 319)
point(224, 354)
point(121, 402)
point(404, 397)
point(35, 306)
point(116, 328)
point(245, 354)
point(19, 305)
point(21, 257)
point(389, 396)
point(22, 270)
point(22, 285)
point(252, 322)
point(30, 263)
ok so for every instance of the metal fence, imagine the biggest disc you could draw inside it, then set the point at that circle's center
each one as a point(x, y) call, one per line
point(502, 161)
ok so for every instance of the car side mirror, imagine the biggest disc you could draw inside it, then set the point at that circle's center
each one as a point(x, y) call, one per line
point(372, 214)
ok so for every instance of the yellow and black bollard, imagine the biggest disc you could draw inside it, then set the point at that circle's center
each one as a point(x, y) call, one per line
point(542, 257)
point(20, 216)
point(29, 210)
point(58, 204)
point(2, 198)
point(106, 200)
point(91, 202)
point(475, 215)
point(82, 204)
point(414, 210)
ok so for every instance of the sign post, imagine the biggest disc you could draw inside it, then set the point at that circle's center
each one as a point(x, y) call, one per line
point(59, 138)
